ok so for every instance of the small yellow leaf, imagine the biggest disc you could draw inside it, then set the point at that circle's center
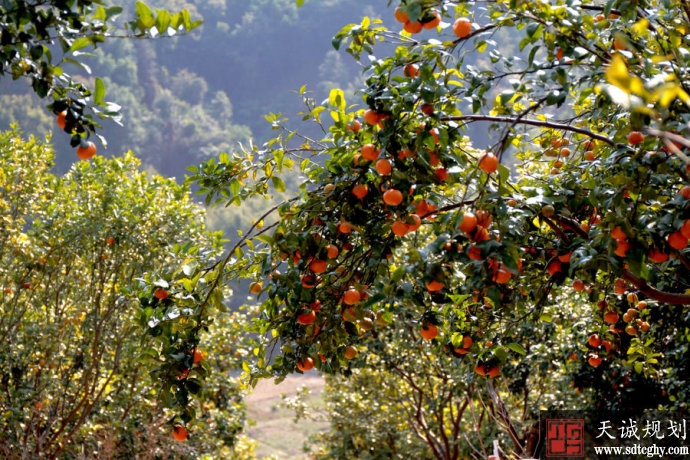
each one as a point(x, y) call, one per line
point(617, 73)
point(641, 28)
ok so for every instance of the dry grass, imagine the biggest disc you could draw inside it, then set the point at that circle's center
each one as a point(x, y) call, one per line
point(275, 430)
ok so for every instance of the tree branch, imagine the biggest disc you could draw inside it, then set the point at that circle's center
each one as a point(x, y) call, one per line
point(539, 123)
point(654, 293)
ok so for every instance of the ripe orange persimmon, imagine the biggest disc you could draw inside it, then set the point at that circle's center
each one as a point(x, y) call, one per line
point(433, 159)
point(622, 248)
point(677, 241)
point(332, 251)
point(618, 234)
point(315, 305)
point(493, 371)
point(554, 267)
point(160, 294)
point(462, 27)
point(345, 227)
point(86, 151)
point(384, 167)
point(413, 27)
point(352, 296)
point(594, 361)
point(607, 344)
point(411, 70)
point(180, 433)
point(588, 144)
point(61, 119)
point(370, 152)
point(468, 222)
point(488, 163)
point(589, 155)
point(548, 210)
point(474, 252)
point(428, 331)
point(594, 340)
point(657, 256)
point(434, 22)
point(317, 266)
point(434, 285)
point(441, 174)
point(197, 356)
point(501, 275)
point(400, 228)
point(480, 369)
point(401, 16)
point(404, 153)
point(305, 364)
point(350, 352)
point(427, 108)
point(354, 126)
point(579, 285)
point(635, 137)
point(392, 197)
point(255, 287)
point(611, 317)
point(565, 258)
point(360, 190)
point(416, 223)
point(306, 317)
point(372, 117)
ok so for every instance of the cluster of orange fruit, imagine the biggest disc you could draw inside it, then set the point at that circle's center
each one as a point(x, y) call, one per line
point(430, 21)
point(86, 149)
point(462, 27)
point(180, 432)
point(635, 324)
point(597, 345)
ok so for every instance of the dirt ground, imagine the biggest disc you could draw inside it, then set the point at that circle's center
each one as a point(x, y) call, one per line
point(275, 430)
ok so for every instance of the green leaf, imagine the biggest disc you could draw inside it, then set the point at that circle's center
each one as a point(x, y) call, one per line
point(500, 353)
point(144, 16)
point(278, 184)
point(80, 43)
point(268, 239)
point(336, 98)
point(162, 21)
point(517, 348)
point(235, 187)
point(299, 3)
point(99, 92)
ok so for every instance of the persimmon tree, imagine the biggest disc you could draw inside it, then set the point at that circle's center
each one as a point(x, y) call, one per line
point(410, 401)
point(582, 194)
point(77, 251)
point(40, 40)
